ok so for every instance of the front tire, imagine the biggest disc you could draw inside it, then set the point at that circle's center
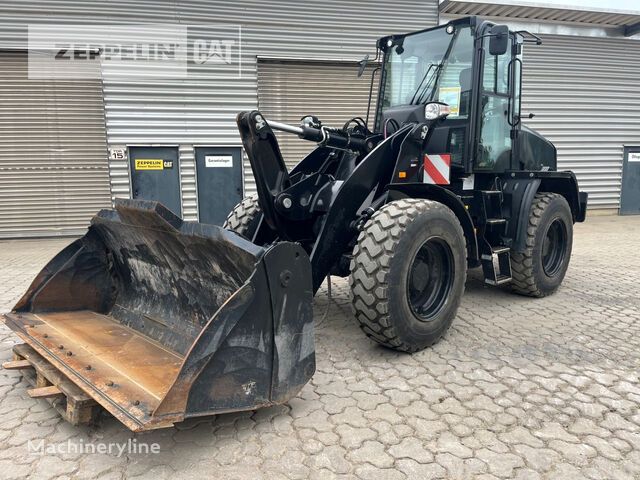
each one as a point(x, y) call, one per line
point(244, 219)
point(408, 273)
point(540, 269)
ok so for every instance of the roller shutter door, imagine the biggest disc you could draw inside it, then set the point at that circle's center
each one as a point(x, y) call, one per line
point(53, 158)
point(585, 93)
point(333, 92)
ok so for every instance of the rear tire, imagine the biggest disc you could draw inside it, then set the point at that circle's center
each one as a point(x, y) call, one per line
point(244, 219)
point(539, 271)
point(408, 273)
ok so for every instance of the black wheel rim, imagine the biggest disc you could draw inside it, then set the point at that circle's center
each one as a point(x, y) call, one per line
point(553, 247)
point(430, 278)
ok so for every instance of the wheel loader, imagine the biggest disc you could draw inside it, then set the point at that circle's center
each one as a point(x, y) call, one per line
point(159, 319)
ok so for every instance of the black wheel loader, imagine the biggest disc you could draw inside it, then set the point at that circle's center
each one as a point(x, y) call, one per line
point(158, 319)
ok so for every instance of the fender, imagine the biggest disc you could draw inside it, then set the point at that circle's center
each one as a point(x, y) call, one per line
point(519, 194)
point(446, 197)
point(521, 188)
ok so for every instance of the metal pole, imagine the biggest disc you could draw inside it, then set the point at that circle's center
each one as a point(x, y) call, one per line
point(285, 127)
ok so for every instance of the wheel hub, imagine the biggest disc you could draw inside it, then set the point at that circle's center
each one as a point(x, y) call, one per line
point(553, 247)
point(430, 278)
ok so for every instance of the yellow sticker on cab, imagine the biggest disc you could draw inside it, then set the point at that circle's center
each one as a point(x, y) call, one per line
point(149, 164)
point(451, 96)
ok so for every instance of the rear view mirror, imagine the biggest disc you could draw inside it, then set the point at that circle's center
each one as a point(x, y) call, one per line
point(363, 65)
point(499, 40)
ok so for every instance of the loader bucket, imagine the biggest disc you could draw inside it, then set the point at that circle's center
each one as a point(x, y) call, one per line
point(159, 319)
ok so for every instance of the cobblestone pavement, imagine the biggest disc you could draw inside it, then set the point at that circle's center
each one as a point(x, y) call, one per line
point(519, 388)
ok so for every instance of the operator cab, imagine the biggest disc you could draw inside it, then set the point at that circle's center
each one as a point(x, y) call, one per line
point(467, 74)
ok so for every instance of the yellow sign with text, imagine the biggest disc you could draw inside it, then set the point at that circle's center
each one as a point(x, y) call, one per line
point(149, 164)
point(451, 96)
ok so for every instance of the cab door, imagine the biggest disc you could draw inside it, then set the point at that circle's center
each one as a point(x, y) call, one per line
point(496, 110)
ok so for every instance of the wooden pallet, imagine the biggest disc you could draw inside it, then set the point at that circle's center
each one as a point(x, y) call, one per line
point(68, 399)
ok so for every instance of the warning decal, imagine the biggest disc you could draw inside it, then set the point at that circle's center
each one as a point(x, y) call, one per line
point(451, 96)
point(149, 164)
point(436, 169)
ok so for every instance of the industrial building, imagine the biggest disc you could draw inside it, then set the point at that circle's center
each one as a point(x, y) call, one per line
point(69, 146)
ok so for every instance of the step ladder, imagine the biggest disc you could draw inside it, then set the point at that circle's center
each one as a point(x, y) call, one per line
point(496, 265)
point(495, 257)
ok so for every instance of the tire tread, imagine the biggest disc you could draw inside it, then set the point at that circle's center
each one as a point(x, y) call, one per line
point(242, 218)
point(523, 278)
point(370, 264)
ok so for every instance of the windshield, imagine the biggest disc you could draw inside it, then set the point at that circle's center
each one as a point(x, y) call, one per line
point(430, 66)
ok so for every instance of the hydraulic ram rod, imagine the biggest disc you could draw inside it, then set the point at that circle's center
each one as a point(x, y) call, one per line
point(285, 127)
point(325, 136)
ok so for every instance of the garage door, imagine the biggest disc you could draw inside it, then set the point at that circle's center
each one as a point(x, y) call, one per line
point(585, 93)
point(53, 157)
point(287, 91)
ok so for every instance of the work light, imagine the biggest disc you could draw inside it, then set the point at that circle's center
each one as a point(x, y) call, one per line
point(436, 110)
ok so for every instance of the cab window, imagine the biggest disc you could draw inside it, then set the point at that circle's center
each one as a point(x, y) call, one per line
point(494, 149)
point(454, 82)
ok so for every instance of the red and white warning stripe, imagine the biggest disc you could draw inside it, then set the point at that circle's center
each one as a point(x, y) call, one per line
point(436, 169)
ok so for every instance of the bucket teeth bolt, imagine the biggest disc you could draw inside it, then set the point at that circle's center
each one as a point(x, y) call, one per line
point(88, 367)
point(61, 347)
point(109, 383)
point(69, 353)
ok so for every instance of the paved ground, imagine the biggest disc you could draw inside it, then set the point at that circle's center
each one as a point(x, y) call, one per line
point(519, 388)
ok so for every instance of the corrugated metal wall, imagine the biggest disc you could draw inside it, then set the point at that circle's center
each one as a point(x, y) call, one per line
point(202, 110)
point(287, 91)
point(585, 93)
point(53, 169)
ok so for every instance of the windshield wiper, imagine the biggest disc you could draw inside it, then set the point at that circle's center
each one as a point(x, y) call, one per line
point(417, 95)
point(437, 72)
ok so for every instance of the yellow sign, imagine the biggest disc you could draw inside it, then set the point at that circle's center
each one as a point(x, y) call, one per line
point(149, 164)
point(451, 96)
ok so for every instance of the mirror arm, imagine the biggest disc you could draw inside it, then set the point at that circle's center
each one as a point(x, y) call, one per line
point(365, 60)
point(373, 74)
point(530, 115)
point(532, 38)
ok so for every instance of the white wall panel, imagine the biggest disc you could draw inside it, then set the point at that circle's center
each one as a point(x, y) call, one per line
point(53, 167)
point(202, 109)
point(333, 92)
point(585, 93)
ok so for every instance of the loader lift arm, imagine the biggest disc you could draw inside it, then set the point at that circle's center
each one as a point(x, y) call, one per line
point(318, 209)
